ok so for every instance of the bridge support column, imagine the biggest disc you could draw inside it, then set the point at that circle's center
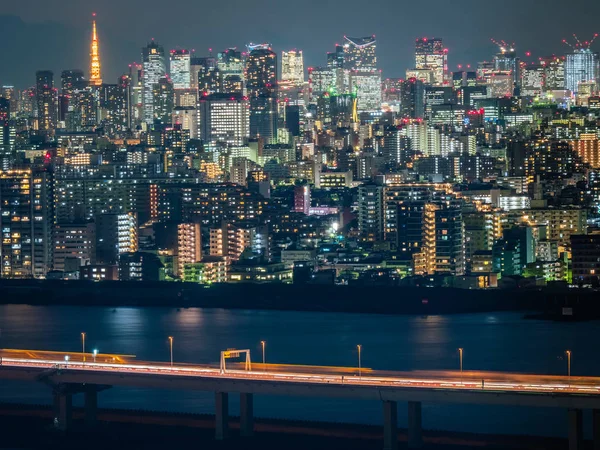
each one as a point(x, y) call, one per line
point(596, 428)
point(246, 415)
point(415, 426)
point(390, 425)
point(63, 410)
point(91, 407)
point(221, 415)
point(575, 429)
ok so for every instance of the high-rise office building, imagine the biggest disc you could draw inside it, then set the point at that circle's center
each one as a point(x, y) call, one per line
point(11, 94)
point(431, 54)
point(95, 68)
point(163, 100)
point(47, 102)
point(25, 223)
point(320, 80)
point(7, 136)
point(360, 53)
point(180, 69)
point(364, 79)
point(114, 105)
point(335, 60)
point(581, 66)
point(71, 81)
point(367, 87)
point(153, 57)
point(136, 95)
point(554, 73)
point(506, 61)
point(261, 85)
point(412, 99)
point(292, 67)
point(224, 120)
point(231, 68)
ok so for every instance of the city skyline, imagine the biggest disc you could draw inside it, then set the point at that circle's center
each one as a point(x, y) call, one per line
point(120, 47)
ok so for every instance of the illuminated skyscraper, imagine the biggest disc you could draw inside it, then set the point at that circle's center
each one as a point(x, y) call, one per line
point(162, 99)
point(136, 95)
point(180, 69)
point(7, 136)
point(25, 223)
point(231, 67)
point(292, 67)
point(153, 57)
point(507, 61)
point(261, 85)
point(224, 120)
point(554, 73)
point(71, 81)
point(431, 54)
point(47, 102)
point(581, 66)
point(367, 86)
point(359, 53)
point(10, 94)
point(95, 74)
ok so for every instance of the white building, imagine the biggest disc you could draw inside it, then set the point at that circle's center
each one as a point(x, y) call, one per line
point(180, 69)
point(224, 119)
point(292, 67)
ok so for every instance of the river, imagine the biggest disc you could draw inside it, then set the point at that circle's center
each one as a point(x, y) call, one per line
point(491, 341)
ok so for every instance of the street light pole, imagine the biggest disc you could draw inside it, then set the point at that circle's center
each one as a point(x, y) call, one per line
point(83, 346)
point(569, 363)
point(262, 343)
point(171, 347)
point(359, 347)
point(95, 354)
point(460, 357)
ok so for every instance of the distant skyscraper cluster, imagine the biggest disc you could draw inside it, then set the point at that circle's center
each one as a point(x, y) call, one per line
point(244, 165)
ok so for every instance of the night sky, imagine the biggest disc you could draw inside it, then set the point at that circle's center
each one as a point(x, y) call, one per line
point(54, 34)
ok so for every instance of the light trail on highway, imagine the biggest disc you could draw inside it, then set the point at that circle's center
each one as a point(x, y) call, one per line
point(471, 381)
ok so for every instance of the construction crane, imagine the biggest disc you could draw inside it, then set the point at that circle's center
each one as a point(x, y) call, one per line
point(504, 46)
point(579, 44)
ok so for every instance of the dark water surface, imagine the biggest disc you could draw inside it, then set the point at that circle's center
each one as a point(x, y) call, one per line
point(499, 342)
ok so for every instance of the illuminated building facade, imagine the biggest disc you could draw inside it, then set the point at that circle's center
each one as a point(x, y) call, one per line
point(231, 64)
point(163, 100)
point(431, 54)
point(115, 234)
point(25, 223)
point(292, 67)
point(532, 82)
point(7, 136)
point(581, 66)
point(74, 245)
point(587, 148)
point(224, 119)
point(320, 80)
point(180, 69)
point(189, 245)
point(360, 53)
point(261, 85)
point(443, 239)
point(367, 86)
point(153, 61)
point(554, 73)
point(47, 102)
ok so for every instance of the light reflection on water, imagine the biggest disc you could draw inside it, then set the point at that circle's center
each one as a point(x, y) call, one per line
point(499, 341)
